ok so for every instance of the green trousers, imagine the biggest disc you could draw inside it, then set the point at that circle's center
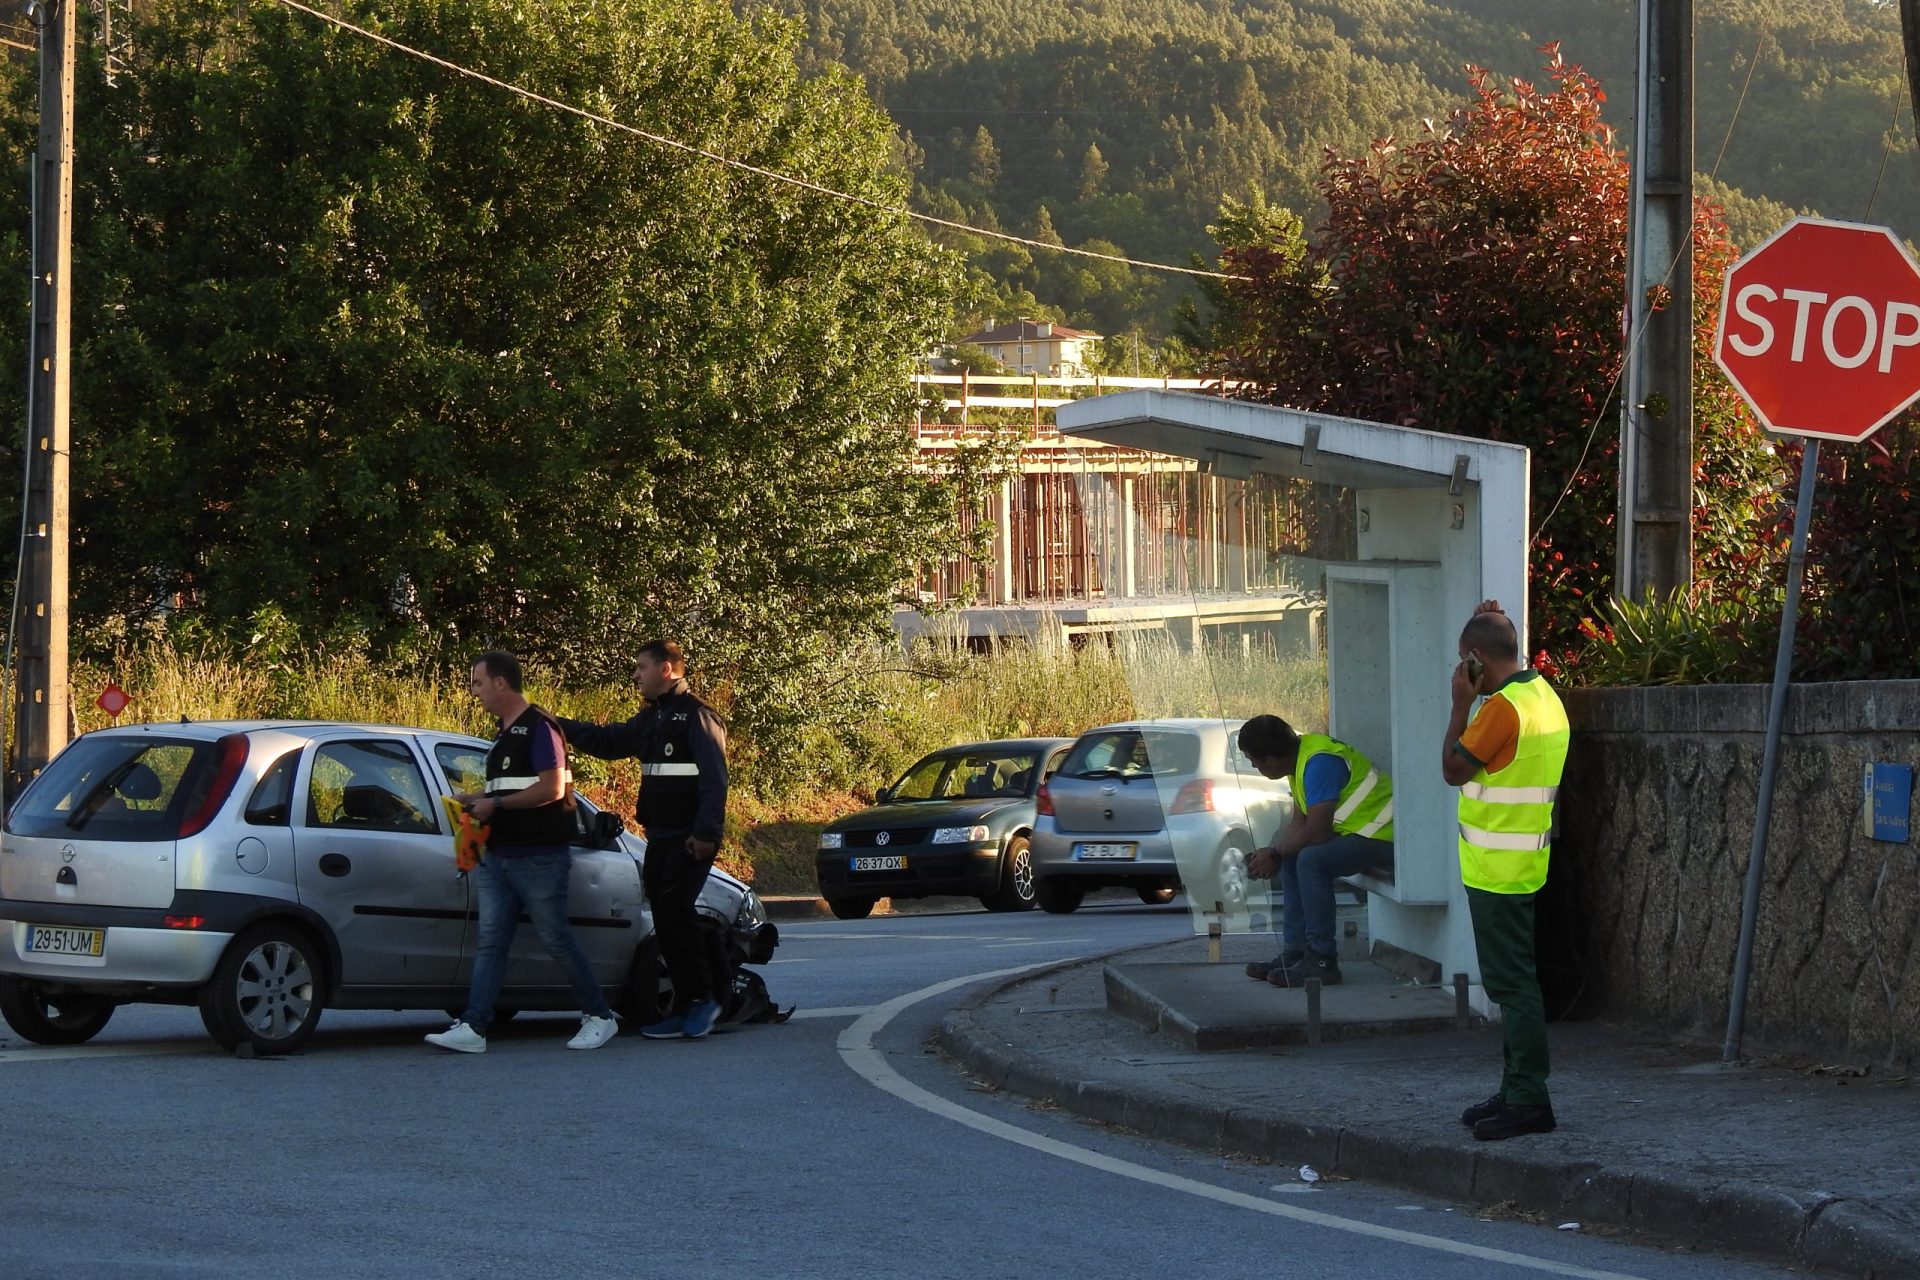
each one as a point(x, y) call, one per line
point(1503, 934)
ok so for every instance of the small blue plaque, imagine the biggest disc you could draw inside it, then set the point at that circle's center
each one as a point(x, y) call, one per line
point(1889, 801)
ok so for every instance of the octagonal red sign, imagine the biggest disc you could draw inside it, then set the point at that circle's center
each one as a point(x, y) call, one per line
point(1820, 329)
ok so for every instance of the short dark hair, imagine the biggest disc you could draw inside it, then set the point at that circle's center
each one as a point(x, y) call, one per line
point(1493, 636)
point(663, 651)
point(502, 665)
point(1270, 738)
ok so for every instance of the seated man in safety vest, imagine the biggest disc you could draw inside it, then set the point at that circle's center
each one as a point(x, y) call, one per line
point(1342, 825)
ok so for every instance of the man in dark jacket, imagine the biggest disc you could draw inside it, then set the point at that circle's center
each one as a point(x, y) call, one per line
point(681, 744)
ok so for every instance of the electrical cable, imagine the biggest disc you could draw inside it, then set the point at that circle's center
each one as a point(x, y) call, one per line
point(742, 165)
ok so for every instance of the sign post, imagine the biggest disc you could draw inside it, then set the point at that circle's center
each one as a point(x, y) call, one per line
point(1820, 332)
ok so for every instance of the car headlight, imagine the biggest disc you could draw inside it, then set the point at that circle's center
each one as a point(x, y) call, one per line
point(753, 912)
point(959, 835)
point(832, 840)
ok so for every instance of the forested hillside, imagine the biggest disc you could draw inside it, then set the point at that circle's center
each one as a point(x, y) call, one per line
point(1123, 123)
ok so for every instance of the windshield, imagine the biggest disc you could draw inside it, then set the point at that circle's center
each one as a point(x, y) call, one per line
point(1133, 753)
point(977, 775)
point(115, 789)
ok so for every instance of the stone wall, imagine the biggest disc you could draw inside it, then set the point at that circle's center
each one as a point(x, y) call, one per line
point(1641, 919)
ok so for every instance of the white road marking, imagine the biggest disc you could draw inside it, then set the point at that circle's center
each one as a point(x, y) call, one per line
point(133, 1050)
point(858, 1052)
point(842, 1011)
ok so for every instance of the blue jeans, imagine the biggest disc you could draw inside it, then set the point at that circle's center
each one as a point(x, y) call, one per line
point(1306, 881)
point(537, 884)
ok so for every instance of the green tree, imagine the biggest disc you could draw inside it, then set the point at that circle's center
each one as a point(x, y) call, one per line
point(1470, 281)
point(398, 353)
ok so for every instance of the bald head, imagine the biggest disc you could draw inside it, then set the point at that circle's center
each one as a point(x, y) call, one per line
point(1491, 635)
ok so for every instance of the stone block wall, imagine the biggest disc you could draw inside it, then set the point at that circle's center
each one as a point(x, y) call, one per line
point(1641, 918)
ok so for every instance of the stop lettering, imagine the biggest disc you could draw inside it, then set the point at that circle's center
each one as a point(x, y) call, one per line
point(1820, 329)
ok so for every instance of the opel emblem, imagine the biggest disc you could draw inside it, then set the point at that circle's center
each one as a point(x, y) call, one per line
point(883, 838)
point(66, 853)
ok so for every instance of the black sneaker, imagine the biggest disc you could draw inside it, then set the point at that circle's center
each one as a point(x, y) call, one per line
point(1479, 1111)
point(1259, 969)
point(1325, 968)
point(1514, 1120)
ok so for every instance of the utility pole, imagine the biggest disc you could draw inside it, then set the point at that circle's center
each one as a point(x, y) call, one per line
point(40, 687)
point(1655, 522)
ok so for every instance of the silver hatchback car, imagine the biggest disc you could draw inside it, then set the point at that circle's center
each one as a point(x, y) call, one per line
point(264, 871)
point(1153, 805)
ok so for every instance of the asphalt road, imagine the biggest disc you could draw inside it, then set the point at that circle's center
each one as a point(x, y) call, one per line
point(836, 1145)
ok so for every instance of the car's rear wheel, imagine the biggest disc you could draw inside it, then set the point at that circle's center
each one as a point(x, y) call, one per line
point(1016, 879)
point(1057, 896)
point(1156, 895)
point(51, 1019)
point(267, 992)
point(649, 997)
point(1230, 874)
point(851, 908)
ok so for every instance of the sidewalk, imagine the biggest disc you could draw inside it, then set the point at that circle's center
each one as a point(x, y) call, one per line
point(1789, 1163)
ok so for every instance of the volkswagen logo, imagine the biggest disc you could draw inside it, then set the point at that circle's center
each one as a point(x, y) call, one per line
point(885, 837)
point(66, 853)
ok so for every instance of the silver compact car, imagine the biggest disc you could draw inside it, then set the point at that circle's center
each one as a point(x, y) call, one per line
point(264, 871)
point(1154, 805)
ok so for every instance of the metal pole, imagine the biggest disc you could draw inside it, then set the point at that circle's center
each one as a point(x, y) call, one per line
point(40, 690)
point(1770, 758)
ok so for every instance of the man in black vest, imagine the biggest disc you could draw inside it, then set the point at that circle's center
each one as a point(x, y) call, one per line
point(681, 744)
point(528, 804)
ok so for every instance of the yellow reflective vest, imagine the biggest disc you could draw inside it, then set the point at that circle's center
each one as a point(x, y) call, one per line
point(1506, 817)
point(1365, 807)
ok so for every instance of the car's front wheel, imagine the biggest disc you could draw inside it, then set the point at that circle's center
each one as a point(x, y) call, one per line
point(51, 1019)
point(649, 997)
point(852, 908)
point(1016, 879)
point(1156, 895)
point(267, 992)
point(1057, 896)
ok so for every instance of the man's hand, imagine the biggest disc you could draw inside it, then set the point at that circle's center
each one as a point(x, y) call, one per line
point(1463, 688)
point(1262, 863)
point(483, 808)
point(702, 849)
point(1489, 606)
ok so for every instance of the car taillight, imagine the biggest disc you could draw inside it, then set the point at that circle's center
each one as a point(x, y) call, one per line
point(183, 922)
point(1195, 797)
point(233, 754)
point(1043, 801)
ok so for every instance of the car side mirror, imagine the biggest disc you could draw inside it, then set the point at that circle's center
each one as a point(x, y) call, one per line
point(604, 828)
point(883, 795)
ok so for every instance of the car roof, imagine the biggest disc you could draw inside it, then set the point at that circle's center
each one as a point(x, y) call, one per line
point(1003, 744)
point(1176, 722)
point(220, 728)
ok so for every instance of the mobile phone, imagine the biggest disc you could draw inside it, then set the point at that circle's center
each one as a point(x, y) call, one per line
point(1474, 667)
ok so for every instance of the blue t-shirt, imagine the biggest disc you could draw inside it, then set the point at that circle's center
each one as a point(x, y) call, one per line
point(1326, 776)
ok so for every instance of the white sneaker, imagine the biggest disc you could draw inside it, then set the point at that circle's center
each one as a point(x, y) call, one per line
point(593, 1033)
point(460, 1038)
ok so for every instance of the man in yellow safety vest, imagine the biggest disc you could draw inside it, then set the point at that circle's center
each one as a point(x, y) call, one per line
point(1342, 824)
point(1507, 763)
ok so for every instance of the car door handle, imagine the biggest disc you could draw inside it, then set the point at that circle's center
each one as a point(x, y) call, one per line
point(335, 864)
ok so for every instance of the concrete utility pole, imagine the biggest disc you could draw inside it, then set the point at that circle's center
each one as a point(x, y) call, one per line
point(40, 688)
point(1656, 411)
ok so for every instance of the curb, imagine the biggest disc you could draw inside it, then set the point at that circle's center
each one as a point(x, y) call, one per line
point(1804, 1229)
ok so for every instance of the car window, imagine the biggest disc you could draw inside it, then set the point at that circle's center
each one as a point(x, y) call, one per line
point(1133, 753)
point(974, 775)
point(1237, 761)
point(116, 789)
point(271, 804)
point(368, 786)
point(464, 767)
point(1054, 762)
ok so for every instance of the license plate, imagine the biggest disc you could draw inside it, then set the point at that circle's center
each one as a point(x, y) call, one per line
point(886, 862)
point(48, 940)
point(1105, 852)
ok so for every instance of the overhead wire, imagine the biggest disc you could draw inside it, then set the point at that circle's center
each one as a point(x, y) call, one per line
point(731, 162)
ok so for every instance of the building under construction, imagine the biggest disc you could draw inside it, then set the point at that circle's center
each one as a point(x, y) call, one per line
point(1086, 539)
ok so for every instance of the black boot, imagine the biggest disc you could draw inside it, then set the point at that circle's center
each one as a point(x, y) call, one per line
point(1325, 968)
point(1259, 969)
point(1479, 1111)
point(1513, 1120)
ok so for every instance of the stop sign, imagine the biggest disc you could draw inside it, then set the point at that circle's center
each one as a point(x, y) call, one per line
point(1820, 329)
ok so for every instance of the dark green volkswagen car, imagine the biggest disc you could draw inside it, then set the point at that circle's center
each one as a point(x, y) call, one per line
point(956, 823)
